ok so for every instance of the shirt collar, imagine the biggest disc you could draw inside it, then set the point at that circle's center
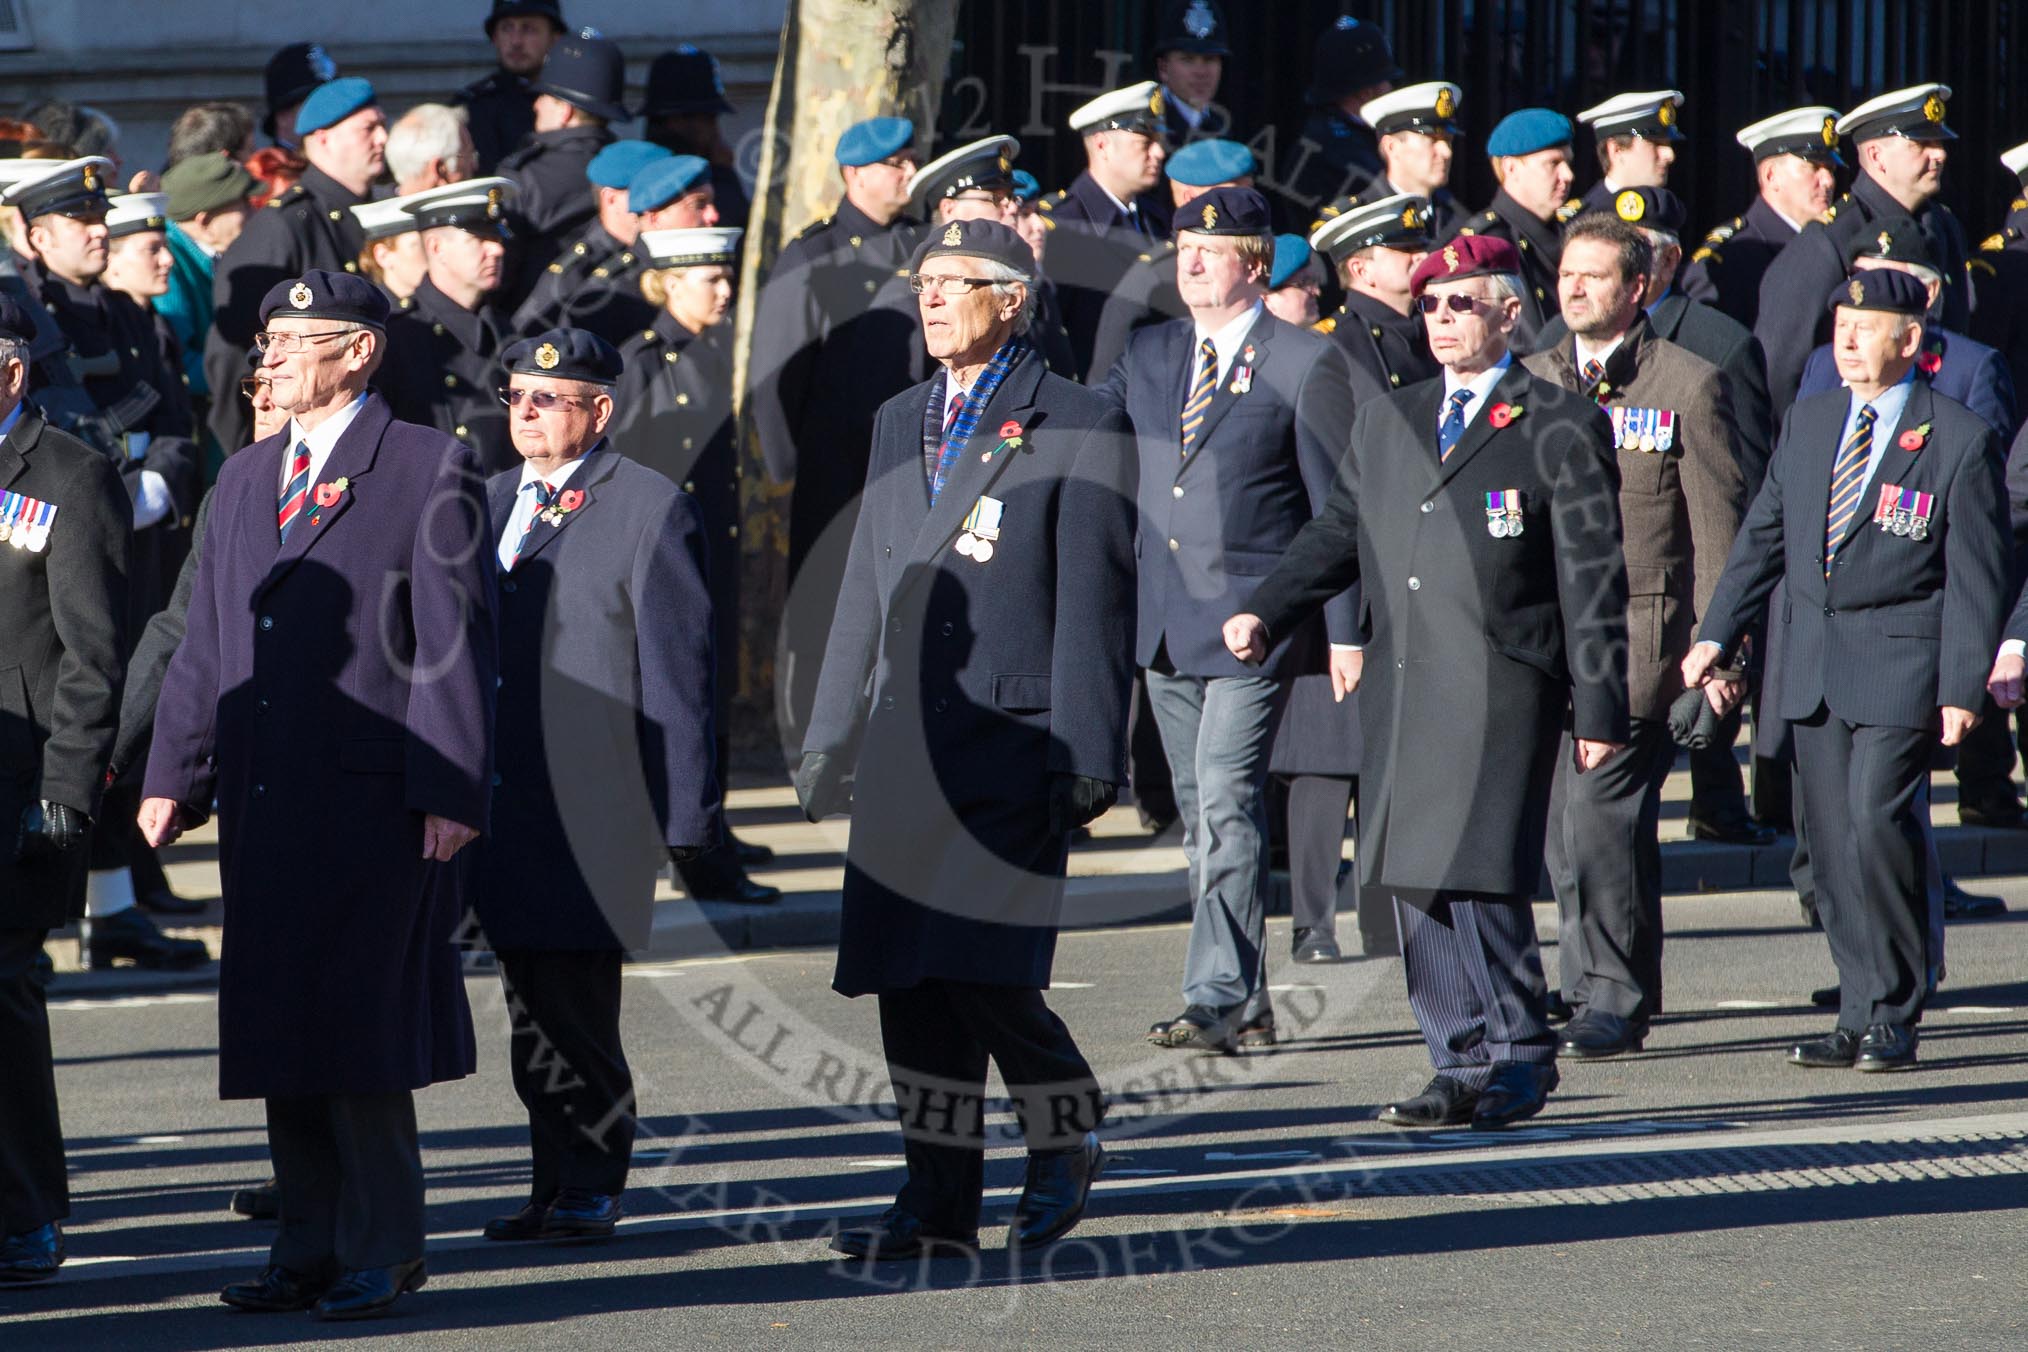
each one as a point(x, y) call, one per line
point(321, 438)
point(556, 477)
point(1229, 335)
point(1125, 208)
point(13, 417)
point(1481, 385)
point(1586, 352)
point(1888, 404)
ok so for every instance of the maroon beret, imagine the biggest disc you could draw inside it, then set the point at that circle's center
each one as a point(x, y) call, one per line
point(1465, 256)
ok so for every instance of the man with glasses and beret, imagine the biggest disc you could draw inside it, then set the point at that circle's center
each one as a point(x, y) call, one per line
point(345, 734)
point(835, 336)
point(1480, 514)
point(605, 766)
point(501, 104)
point(608, 238)
point(1240, 421)
point(684, 101)
point(990, 564)
point(443, 345)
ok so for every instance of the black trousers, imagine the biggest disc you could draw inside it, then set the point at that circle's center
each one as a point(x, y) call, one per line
point(569, 1068)
point(1863, 788)
point(1604, 856)
point(1985, 767)
point(348, 1171)
point(1717, 789)
point(1316, 825)
point(937, 1037)
point(1475, 981)
point(33, 1188)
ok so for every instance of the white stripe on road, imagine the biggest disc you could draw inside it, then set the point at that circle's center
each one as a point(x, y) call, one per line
point(139, 1001)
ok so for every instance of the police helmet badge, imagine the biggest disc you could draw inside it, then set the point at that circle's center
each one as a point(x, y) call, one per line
point(1198, 21)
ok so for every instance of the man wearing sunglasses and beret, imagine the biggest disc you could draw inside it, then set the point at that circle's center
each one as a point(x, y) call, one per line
point(1480, 513)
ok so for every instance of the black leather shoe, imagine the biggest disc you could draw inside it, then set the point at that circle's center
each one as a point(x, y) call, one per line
point(2003, 814)
point(1444, 1102)
point(740, 889)
point(365, 1292)
point(1595, 1035)
point(899, 1234)
point(31, 1256)
point(131, 936)
point(1827, 997)
point(748, 853)
point(1198, 1028)
point(1962, 905)
point(263, 1203)
point(1887, 1046)
point(1315, 945)
point(1834, 1051)
point(1559, 1009)
point(1053, 1198)
point(276, 1291)
point(44, 970)
point(166, 902)
point(524, 1224)
point(1259, 1033)
point(1740, 830)
point(1517, 1091)
point(578, 1215)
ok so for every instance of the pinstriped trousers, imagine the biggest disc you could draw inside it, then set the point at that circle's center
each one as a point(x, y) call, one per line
point(1475, 981)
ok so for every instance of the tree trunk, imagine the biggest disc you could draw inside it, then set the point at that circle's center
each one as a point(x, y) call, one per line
point(841, 61)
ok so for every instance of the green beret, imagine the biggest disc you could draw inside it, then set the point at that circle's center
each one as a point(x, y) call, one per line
point(204, 183)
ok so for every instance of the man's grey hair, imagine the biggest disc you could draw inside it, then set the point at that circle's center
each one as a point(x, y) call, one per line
point(13, 349)
point(1505, 285)
point(424, 134)
point(1004, 280)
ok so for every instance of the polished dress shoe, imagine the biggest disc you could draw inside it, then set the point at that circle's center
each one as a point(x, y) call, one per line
point(1962, 905)
point(263, 1203)
point(1558, 1009)
point(899, 1234)
point(748, 853)
point(1058, 1186)
point(1595, 1035)
point(521, 1225)
point(577, 1214)
point(131, 936)
point(365, 1292)
point(1444, 1102)
point(1834, 1051)
point(1740, 830)
point(1315, 945)
point(2003, 814)
point(1517, 1091)
point(277, 1290)
point(165, 902)
point(31, 1256)
point(741, 889)
point(1827, 997)
point(1887, 1046)
point(1259, 1032)
point(1198, 1028)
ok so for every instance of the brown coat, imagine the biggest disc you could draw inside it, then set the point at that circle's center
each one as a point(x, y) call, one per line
point(1681, 507)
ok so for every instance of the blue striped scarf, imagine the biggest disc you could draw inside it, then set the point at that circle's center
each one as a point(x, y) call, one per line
point(948, 449)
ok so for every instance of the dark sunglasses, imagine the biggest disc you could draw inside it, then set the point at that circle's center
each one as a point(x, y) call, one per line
point(1457, 305)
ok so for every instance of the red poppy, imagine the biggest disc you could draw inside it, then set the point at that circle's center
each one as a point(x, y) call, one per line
point(327, 494)
point(1010, 428)
point(1501, 415)
point(570, 499)
point(1931, 363)
point(1911, 440)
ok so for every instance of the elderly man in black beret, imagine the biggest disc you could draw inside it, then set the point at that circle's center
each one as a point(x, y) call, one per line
point(990, 566)
point(333, 695)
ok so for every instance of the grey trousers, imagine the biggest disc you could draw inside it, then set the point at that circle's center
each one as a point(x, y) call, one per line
point(1217, 733)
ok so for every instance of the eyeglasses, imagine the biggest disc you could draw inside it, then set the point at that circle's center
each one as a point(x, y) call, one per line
point(1457, 305)
point(945, 286)
point(249, 386)
point(542, 399)
point(296, 342)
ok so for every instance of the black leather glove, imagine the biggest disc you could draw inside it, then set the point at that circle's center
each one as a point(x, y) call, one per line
point(683, 854)
point(1692, 720)
point(49, 829)
point(820, 786)
point(1075, 800)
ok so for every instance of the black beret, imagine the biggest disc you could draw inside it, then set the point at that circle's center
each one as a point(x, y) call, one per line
point(976, 239)
point(14, 321)
point(1880, 289)
point(327, 295)
point(1651, 209)
point(1898, 239)
point(1224, 211)
point(565, 354)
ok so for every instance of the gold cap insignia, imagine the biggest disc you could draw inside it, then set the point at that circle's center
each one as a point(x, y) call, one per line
point(1408, 215)
point(954, 235)
point(547, 356)
point(1445, 103)
point(1933, 108)
point(1857, 291)
point(300, 296)
point(1666, 114)
point(1451, 257)
point(91, 178)
point(1831, 131)
point(1210, 215)
point(1629, 204)
point(1005, 164)
point(1155, 103)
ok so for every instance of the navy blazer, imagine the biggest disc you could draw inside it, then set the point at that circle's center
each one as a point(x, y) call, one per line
point(329, 692)
point(1902, 626)
point(606, 730)
point(1214, 523)
point(1967, 371)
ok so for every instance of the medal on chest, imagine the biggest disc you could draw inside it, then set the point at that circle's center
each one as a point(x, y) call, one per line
point(1503, 514)
point(981, 530)
point(1643, 429)
point(1905, 512)
point(25, 521)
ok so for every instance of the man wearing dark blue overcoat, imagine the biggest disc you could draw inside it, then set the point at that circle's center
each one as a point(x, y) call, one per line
point(334, 694)
point(605, 765)
point(979, 665)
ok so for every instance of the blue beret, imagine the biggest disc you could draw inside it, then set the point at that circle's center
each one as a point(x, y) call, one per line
point(1292, 255)
point(875, 139)
point(616, 165)
point(662, 181)
point(1527, 130)
point(1026, 186)
point(327, 295)
point(566, 354)
point(1203, 163)
point(332, 102)
point(1224, 211)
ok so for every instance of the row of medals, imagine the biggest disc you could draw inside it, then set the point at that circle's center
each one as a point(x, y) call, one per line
point(1905, 522)
point(24, 537)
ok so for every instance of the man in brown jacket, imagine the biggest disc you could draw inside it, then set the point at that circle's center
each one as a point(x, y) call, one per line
point(1681, 496)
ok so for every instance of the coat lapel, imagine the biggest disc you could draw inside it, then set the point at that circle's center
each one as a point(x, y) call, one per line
point(15, 446)
point(596, 468)
point(1222, 397)
point(351, 459)
point(972, 475)
point(1508, 389)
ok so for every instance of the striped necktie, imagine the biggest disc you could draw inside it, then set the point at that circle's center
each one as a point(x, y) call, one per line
point(291, 505)
point(1452, 428)
point(1590, 376)
point(1848, 483)
point(1201, 387)
point(544, 495)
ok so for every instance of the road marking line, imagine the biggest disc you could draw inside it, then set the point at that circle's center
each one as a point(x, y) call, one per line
point(1750, 1004)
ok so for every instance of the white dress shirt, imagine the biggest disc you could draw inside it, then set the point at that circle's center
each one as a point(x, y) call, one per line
point(1481, 385)
point(1227, 342)
point(1887, 409)
point(525, 505)
point(1586, 352)
point(321, 438)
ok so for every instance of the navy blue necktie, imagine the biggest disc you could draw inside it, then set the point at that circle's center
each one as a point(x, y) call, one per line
point(1453, 426)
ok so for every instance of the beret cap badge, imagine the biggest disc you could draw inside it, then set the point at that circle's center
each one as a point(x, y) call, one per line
point(955, 235)
point(547, 356)
point(1451, 257)
point(1857, 291)
point(300, 296)
point(1629, 205)
point(1210, 216)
